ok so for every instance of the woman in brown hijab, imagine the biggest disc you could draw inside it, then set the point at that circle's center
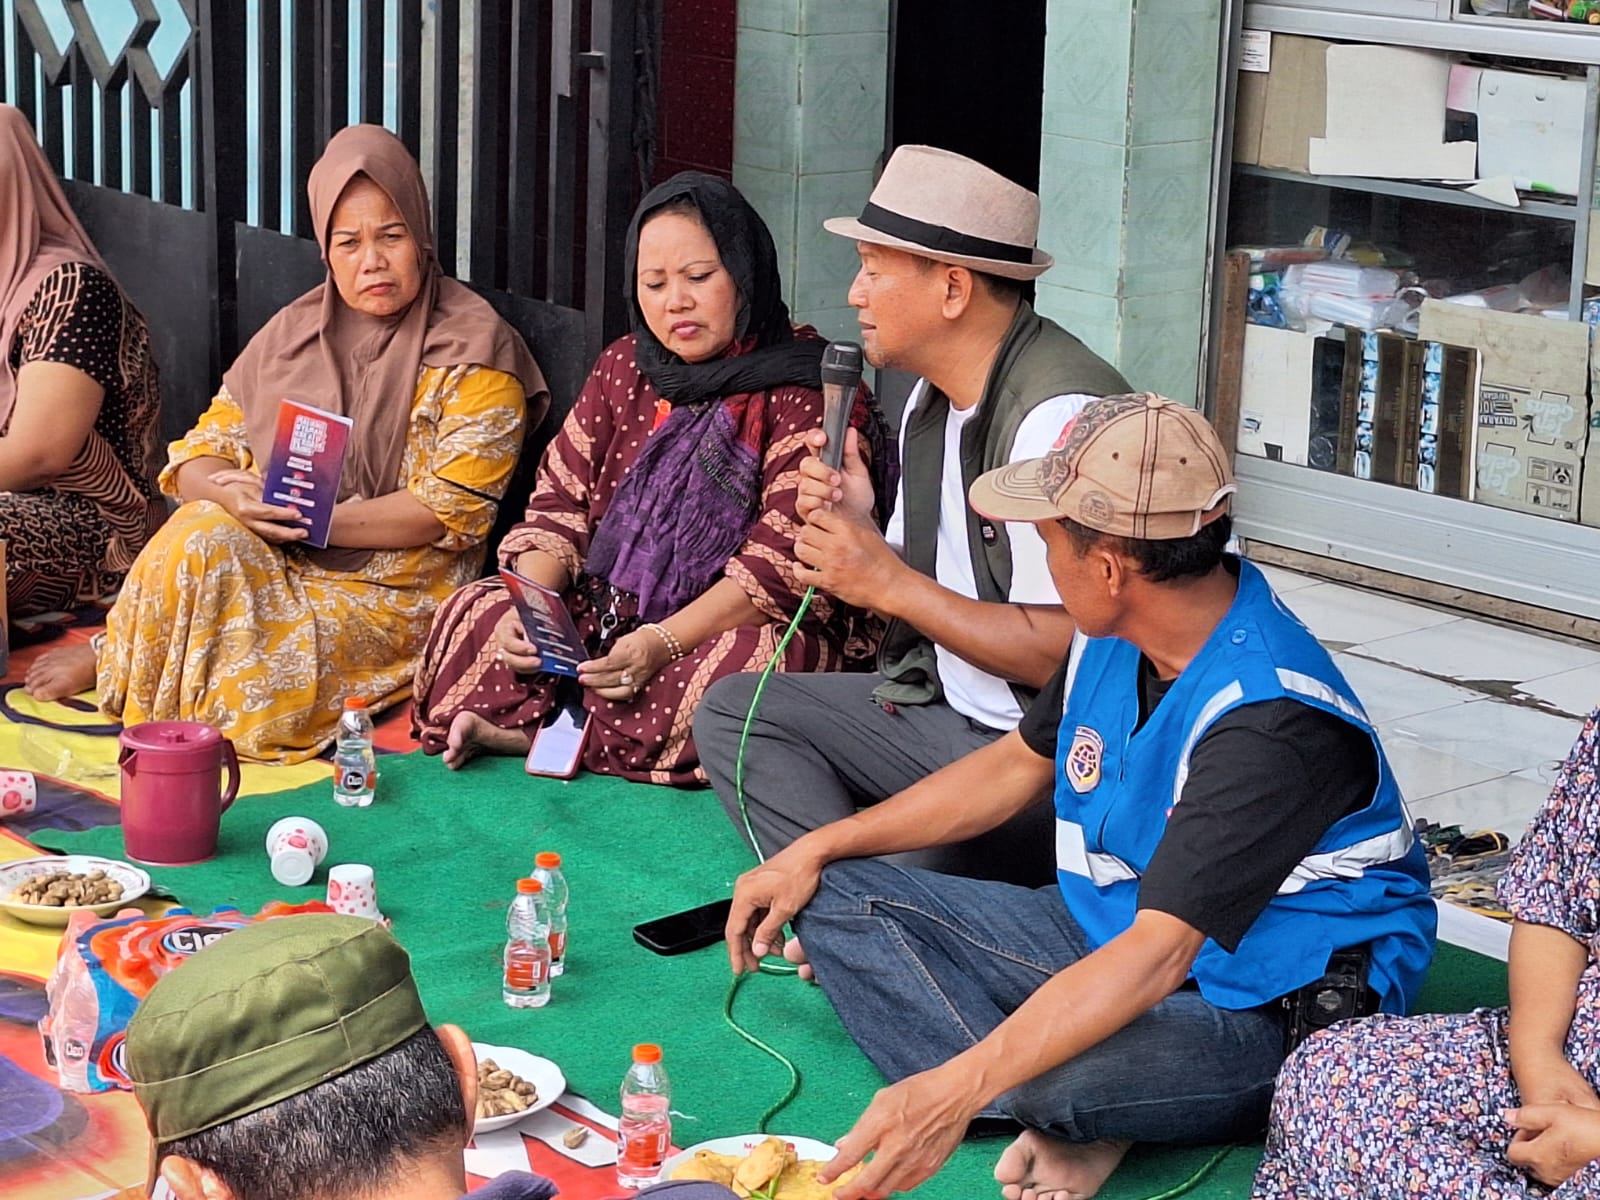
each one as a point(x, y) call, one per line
point(78, 397)
point(226, 618)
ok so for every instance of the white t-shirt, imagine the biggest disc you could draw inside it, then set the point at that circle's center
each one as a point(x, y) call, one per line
point(977, 694)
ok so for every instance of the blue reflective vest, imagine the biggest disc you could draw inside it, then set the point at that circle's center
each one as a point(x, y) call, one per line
point(1365, 880)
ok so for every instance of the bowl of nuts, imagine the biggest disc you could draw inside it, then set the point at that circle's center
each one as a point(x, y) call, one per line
point(47, 890)
point(513, 1084)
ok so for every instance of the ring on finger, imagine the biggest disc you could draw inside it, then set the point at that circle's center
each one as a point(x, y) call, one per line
point(627, 677)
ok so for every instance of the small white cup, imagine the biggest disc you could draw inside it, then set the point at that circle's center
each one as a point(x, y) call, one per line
point(19, 794)
point(353, 891)
point(296, 846)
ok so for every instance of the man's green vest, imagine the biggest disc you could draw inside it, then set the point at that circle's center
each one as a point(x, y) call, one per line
point(1037, 361)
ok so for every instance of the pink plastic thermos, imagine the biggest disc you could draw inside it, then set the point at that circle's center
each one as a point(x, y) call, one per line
point(172, 797)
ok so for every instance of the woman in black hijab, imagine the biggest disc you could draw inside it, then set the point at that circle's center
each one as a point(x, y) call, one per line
point(663, 512)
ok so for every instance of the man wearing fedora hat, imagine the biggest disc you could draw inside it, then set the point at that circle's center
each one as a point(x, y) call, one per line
point(1235, 865)
point(975, 626)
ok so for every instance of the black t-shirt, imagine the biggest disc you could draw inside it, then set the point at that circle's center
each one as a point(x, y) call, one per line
point(1265, 783)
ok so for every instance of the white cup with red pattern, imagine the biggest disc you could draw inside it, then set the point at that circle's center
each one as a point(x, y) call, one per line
point(19, 794)
point(353, 891)
point(296, 845)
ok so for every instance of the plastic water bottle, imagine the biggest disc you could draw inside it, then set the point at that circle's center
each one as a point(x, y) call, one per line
point(645, 1130)
point(547, 870)
point(355, 767)
point(527, 956)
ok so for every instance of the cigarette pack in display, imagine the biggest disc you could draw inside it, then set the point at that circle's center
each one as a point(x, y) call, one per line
point(1446, 425)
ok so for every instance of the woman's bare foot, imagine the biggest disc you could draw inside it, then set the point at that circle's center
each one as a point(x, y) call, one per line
point(1037, 1167)
point(470, 735)
point(62, 672)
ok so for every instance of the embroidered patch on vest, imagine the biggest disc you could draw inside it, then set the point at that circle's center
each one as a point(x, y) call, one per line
point(1083, 760)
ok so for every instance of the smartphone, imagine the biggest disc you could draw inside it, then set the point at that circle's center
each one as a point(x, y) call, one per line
point(557, 749)
point(684, 931)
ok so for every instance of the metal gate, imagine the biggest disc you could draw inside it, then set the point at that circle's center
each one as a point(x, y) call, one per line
point(186, 130)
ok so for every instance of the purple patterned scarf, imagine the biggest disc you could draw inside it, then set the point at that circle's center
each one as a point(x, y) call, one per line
point(686, 505)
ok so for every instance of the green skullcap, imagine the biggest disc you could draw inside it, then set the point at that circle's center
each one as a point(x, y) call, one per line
point(264, 1013)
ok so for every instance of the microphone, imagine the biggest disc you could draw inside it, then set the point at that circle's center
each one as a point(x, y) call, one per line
point(841, 376)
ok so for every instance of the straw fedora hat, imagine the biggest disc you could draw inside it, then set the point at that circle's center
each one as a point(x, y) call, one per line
point(947, 207)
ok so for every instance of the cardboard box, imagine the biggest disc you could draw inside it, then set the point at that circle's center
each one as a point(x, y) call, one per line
point(1533, 407)
point(1530, 127)
point(1385, 116)
point(1589, 501)
point(1274, 412)
point(1278, 113)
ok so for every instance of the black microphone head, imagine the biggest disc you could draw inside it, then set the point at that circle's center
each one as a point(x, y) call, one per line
point(841, 364)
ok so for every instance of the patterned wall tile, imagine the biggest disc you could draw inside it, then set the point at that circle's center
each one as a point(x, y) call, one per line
point(1081, 193)
point(843, 16)
point(779, 16)
point(826, 263)
point(1088, 49)
point(767, 110)
point(1169, 206)
point(843, 84)
point(1093, 318)
point(774, 194)
point(1176, 48)
point(1161, 348)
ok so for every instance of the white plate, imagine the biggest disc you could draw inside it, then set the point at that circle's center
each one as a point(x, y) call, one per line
point(545, 1076)
point(14, 874)
point(804, 1147)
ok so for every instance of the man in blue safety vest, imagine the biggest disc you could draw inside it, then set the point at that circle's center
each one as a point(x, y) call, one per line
point(1234, 858)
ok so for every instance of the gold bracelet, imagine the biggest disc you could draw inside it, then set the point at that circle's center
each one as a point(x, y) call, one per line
point(668, 639)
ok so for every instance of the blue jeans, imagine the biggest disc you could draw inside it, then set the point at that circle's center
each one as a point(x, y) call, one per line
point(920, 966)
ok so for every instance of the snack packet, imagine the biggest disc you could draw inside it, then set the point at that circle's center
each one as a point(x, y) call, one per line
point(105, 967)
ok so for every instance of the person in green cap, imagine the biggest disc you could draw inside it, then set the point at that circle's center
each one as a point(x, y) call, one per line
point(292, 1060)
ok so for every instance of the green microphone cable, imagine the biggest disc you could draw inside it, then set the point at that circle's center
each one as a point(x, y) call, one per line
point(766, 968)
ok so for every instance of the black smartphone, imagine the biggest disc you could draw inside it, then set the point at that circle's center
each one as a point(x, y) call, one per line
point(684, 931)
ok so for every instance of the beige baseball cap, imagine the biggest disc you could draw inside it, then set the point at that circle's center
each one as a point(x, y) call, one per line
point(1138, 466)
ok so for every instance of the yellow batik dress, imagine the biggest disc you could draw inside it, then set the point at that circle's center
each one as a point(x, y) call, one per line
point(216, 625)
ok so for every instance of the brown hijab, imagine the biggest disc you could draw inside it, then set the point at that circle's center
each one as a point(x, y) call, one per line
point(320, 351)
point(38, 233)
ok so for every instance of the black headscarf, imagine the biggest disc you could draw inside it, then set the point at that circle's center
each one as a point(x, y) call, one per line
point(745, 247)
point(686, 504)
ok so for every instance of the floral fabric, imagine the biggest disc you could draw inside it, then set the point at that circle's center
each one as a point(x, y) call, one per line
point(216, 625)
point(1411, 1106)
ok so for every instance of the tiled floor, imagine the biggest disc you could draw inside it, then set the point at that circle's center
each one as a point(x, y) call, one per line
point(1475, 717)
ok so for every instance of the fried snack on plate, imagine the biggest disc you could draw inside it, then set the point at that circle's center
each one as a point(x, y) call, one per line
point(761, 1166)
point(709, 1166)
point(799, 1181)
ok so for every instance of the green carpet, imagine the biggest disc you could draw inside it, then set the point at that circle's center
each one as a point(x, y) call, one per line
point(447, 849)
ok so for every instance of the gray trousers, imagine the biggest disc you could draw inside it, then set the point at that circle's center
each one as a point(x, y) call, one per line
point(820, 748)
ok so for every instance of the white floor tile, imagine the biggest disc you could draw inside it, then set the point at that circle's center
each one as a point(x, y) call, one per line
point(1503, 736)
point(1336, 613)
point(1283, 580)
point(1389, 692)
point(1506, 803)
point(1544, 774)
point(1576, 692)
point(1475, 650)
point(1424, 771)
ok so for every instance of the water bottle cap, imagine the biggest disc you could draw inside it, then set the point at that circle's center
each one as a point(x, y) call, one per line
point(647, 1052)
point(355, 702)
point(548, 859)
point(529, 887)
